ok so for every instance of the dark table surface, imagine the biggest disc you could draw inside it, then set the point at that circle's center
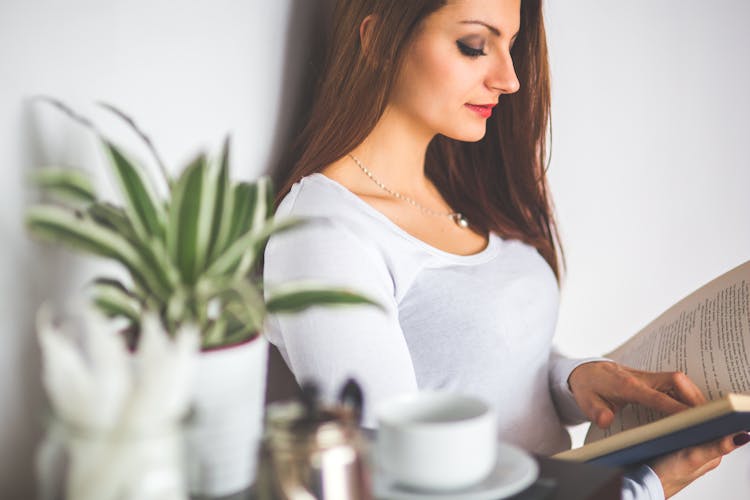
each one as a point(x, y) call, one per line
point(558, 480)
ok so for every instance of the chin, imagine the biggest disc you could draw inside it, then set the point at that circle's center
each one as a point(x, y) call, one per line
point(468, 134)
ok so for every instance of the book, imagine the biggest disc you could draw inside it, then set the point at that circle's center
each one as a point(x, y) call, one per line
point(705, 335)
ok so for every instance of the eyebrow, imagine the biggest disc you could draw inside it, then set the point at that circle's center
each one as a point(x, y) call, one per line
point(492, 29)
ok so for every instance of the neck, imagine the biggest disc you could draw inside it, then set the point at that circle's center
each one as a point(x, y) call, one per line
point(395, 152)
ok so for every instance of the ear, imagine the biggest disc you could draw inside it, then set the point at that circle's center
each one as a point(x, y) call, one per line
point(366, 30)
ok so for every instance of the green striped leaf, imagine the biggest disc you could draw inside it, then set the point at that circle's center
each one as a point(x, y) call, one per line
point(241, 222)
point(215, 333)
point(155, 262)
point(177, 308)
point(65, 184)
point(294, 297)
point(184, 212)
point(262, 209)
point(240, 303)
point(224, 223)
point(230, 331)
point(79, 231)
point(142, 135)
point(162, 275)
point(114, 218)
point(246, 303)
point(143, 208)
point(214, 186)
point(223, 207)
point(250, 244)
point(113, 299)
point(257, 246)
point(261, 212)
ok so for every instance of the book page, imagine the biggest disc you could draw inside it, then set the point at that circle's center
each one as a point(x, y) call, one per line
point(706, 335)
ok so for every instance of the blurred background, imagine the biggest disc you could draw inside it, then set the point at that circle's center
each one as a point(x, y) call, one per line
point(649, 166)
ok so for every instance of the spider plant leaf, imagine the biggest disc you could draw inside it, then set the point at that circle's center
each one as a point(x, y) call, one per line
point(246, 303)
point(223, 206)
point(65, 184)
point(215, 182)
point(297, 296)
point(235, 218)
point(215, 334)
point(184, 212)
point(177, 308)
point(79, 231)
point(251, 243)
point(142, 135)
point(236, 332)
point(252, 207)
point(143, 208)
point(260, 194)
point(224, 224)
point(258, 244)
point(239, 300)
point(154, 259)
point(113, 299)
point(262, 210)
point(163, 275)
point(114, 218)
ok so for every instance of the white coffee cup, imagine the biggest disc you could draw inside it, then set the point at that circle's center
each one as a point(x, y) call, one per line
point(436, 440)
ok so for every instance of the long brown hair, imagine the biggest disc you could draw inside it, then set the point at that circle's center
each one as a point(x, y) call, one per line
point(499, 182)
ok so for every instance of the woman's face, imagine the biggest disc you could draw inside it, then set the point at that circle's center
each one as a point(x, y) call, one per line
point(457, 66)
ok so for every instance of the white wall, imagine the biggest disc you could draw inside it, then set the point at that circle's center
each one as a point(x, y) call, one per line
point(189, 72)
point(650, 167)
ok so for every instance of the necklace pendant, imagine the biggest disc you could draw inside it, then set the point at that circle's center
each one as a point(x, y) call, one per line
point(460, 221)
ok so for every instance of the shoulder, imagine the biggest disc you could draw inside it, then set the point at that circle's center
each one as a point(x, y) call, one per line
point(317, 195)
point(334, 242)
point(335, 212)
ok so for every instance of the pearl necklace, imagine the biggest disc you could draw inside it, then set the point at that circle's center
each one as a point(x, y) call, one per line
point(457, 217)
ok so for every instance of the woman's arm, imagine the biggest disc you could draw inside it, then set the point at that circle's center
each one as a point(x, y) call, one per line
point(330, 344)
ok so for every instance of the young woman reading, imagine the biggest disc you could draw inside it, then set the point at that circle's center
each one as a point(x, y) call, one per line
point(423, 160)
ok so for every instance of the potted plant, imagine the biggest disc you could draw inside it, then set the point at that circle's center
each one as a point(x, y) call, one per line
point(192, 257)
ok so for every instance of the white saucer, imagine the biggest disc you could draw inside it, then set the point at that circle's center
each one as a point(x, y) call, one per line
point(515, 471)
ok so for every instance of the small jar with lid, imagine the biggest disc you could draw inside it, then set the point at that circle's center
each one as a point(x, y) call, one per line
point(314, 452)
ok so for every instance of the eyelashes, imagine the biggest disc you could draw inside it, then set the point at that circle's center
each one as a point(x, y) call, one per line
point(470, 51)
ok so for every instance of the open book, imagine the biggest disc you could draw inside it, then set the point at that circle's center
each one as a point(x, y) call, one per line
point(707, 336)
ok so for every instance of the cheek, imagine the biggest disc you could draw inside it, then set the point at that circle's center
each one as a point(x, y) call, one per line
point(434, 82)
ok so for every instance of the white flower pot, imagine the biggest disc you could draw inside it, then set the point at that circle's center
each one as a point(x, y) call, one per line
point(225, 429)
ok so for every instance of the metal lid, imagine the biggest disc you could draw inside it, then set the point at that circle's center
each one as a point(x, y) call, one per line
point(291, 425)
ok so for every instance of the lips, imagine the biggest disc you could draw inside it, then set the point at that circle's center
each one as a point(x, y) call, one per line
point(483, 110)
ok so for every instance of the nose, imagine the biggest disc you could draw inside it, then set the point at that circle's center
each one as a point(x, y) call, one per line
point(502, 77)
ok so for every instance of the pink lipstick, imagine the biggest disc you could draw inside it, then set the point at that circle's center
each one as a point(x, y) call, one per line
point(483, 110)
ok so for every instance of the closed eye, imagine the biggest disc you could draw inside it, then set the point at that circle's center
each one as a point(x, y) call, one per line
point(470, 51)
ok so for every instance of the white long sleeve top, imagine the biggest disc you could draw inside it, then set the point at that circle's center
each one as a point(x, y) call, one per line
point(478, 324)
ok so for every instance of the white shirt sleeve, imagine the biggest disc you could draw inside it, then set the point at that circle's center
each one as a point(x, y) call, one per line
point(642, 484)
point(560, 368)
point(329, 344)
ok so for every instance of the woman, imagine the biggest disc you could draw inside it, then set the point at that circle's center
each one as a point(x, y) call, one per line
point(423, 162)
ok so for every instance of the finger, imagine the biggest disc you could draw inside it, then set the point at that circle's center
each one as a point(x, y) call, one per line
point(687, 391)
point(707, 467)
point(678, 385)
point(600, 412)
point(707, 453)
point(641, 393)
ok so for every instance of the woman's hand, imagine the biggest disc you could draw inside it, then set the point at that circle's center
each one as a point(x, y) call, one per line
point(682, 467)
point(601, 388)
